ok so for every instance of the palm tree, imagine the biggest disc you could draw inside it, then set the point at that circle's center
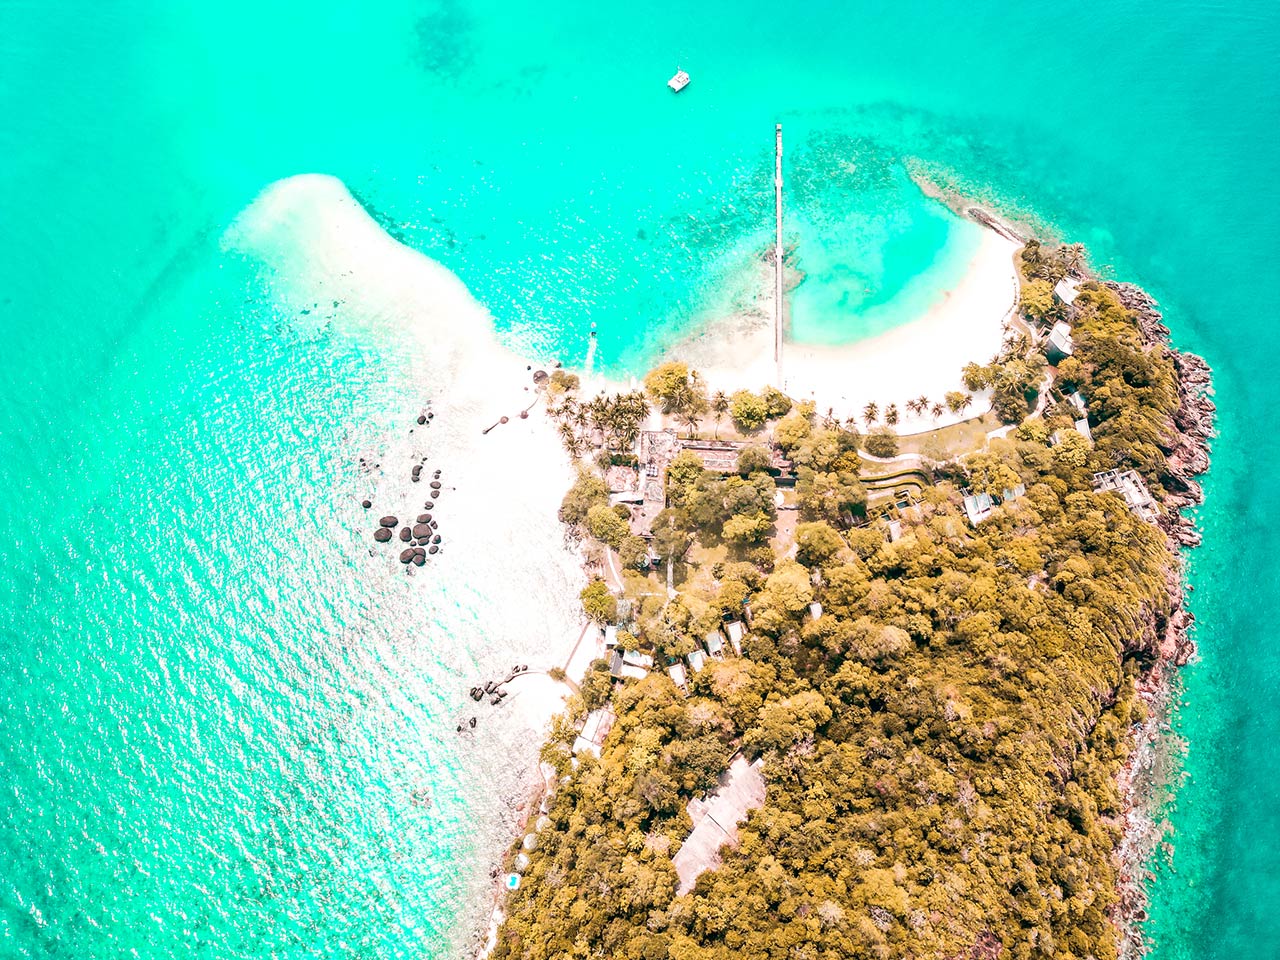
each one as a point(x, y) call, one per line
point(1073, 257)
point(937, 410)
point(891, 414)
point(914, 406)
point(870, 413)
point(719, 407)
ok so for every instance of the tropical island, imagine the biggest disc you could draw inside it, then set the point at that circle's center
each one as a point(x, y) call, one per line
point(862, 693)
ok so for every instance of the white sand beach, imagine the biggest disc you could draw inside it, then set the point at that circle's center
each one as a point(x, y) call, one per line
point(503, 558)
point(920, 358)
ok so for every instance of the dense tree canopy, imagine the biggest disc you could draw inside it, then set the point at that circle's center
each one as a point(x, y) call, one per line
point(940, 744)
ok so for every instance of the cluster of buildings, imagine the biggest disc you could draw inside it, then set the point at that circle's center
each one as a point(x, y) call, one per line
point(633, 665)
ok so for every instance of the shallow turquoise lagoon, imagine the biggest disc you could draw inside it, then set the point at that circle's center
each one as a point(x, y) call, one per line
point(208, 733)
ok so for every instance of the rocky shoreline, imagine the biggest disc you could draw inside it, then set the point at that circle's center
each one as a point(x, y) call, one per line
point(1166, 644)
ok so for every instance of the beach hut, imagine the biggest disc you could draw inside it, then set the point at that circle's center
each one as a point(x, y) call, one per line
point(522, 862)
point(895, 530)
point(678, 676)
point(815, 610)
point(633, 665)
point(1067, 290)
point(977, 506)
point(530, 842)
point(1058, 345)
point(697, 660)
point(1013, 493)
point(611, 636)
point(714, 642)
point(1077, 401)
point(736, 632)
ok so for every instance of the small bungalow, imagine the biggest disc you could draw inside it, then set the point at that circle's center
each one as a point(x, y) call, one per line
point(895, 530)
point(611, 636)
point(736, 632)
point(714, 643)
point(521, 862)
point(697, 660)
point(1013, 493)
point(591, 737)
point(629, 665)
point(815, 610)
point(1067, 290)
point(1058, 345)
point(978, 506)
point(1077, 400)
point(678, 676)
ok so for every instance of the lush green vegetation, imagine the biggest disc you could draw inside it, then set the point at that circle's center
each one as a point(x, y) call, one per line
point(940, 745)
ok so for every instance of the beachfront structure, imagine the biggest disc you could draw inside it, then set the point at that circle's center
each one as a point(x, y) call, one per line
point(894, 530)
point(611, 635)
point(1058, 345)
point(1131, 488)
point(1081, 427)
point(1013, 493)
point(697, 660)
point(596, 727)
point(736, 631)
point(521, 864)
point(1067, 290)
point(630, 665)
point(678, 676)
point(714, 642)
point(1077, 401)
point(815, 610)
point(679, 81)
point(978, 506)
point(716, 820)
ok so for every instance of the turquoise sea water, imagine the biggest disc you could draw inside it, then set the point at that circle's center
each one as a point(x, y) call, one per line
point(210, 722)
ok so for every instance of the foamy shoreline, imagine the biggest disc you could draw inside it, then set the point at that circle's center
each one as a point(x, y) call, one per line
point(921, 358)
point(504, 556)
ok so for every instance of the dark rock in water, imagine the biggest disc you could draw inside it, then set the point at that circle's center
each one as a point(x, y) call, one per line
point(437, 474)
point(435, 484)
point(382, 534)
point(524, 414)
point(504, 419)
point(431, 416)
point(389, 521)
point(420, 552)
point(419, 560)
point(415, 478)
point(421, 530)
point(366, 504)
point(539, 376)
point(476, 693)
point(417, 469)
point(436, 538)
point(405, 535)
point(488, 686)
point(472, 723)
point(430, 505)
point(433, 549)
point(524, 667)
point(424, 518)
point(406, 555)
point(422, 418)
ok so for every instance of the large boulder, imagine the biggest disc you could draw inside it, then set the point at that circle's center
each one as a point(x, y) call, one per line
point(382, 534)
point(389, 521)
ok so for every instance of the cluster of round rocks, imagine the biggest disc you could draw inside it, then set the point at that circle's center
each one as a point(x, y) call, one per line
point(493, 688)
point(420, 537)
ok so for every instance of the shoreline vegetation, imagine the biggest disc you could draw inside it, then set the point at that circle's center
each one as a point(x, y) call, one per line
point(947, 654)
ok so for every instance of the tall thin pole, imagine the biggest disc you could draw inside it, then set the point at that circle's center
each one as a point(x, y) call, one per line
point(777, 257)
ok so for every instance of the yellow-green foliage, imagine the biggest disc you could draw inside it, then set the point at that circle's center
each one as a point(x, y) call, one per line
point(940, 745)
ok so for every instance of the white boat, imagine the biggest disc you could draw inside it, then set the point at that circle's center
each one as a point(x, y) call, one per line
point(679, 81)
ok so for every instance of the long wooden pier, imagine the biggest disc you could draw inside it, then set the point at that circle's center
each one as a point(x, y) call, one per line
point(777, 257)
